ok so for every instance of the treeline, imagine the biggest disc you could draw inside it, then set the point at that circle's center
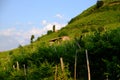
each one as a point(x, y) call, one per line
point(44, 63)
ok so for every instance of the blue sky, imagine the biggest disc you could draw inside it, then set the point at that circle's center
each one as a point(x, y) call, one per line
point(19, 19)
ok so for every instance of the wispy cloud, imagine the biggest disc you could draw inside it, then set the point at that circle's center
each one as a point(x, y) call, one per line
point(7, 42)
point(7, 32)
point(49, 25)
point(59, 16)
point(44, 22)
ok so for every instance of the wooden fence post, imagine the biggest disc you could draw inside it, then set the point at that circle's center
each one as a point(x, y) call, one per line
point(62, 64)
point(14, 67)
point(17, 66)
point(62, 67)
point(56, 72)
point(25, 72)
point(88, 66)
point(75, 66)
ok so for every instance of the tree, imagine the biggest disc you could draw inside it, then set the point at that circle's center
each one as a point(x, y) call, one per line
point(99, 3)
point(32, 37)
point(20, 46)
point(53, 28)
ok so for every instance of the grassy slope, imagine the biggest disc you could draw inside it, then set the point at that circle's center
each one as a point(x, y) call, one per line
point(108, 16)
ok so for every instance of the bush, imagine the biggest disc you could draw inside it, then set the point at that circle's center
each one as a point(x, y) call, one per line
point(85, 30)
point(63, 34)
point(99, 4)
point(43, 72)
point(100, 29)
point(49, 32)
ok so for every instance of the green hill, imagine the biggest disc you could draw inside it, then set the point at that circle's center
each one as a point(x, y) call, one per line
point(106, 16)
point(96, 29)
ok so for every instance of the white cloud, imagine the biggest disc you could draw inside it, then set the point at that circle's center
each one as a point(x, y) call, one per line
point(44, 22)
point(7, 32)
point(34, 31)
point(59, 16)
point(59, 26)
point(49, 26)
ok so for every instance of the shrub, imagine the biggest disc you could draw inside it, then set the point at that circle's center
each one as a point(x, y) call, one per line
point(49, 32)
point(63, 33)
point(31, 39)
point(85, 30)
point(100, 29)
point(99, 4)
point(92, 28)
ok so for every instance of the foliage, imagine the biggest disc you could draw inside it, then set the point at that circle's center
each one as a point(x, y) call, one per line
point(54, 28)
point(85, 30)
point(99, 4)
point(103, 48)
point(101, 29)
point(49, 32)
point(44, 72)
point(63, 33)
point(31, 39)
point(63, 75)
